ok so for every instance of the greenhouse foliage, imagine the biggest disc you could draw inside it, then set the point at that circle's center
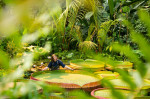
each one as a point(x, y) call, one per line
point(106, 42)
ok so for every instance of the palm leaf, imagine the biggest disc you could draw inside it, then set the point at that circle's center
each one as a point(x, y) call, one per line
point(111, 8)
point(89, 45)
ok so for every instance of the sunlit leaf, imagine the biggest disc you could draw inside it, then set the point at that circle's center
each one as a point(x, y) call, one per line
point(4, 60)
point(88, 15)
point(144, 16)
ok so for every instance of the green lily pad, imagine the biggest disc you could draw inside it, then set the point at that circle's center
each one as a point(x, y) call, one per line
point(106, 93)
point(68, 78)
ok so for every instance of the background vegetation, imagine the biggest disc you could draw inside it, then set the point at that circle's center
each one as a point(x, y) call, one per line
point(107, 30)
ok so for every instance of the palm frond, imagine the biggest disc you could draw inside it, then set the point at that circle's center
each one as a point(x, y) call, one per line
point(89, 45)
point(104, 28)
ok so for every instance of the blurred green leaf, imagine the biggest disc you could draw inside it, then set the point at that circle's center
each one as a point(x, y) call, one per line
point(127, 78)
point(115, 93)
point(4, 60)
point(143, 44)
point(126, 50)
point(111, 7)
point(126, 9)
point(144, 16)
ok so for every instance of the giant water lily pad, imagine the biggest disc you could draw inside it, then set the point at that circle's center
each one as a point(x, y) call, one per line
point(107, 74)
point(103, 93)
point(66, 80)
point(88, 63)
point(120, 64)
point(118, 83)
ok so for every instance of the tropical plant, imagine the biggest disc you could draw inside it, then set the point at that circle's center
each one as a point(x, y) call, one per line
point(135, 79)
point(75, 24)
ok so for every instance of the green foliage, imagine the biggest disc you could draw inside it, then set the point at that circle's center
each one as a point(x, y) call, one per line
point(4, 60)
point(12, 45)
point(133, 79)
point(104, 29)
point(143, 47)
point(66, 55)
point(111, 7)
point(72, 54)
point(29, 89)
point(139, 27)
point(80, 95)
point(74, 31)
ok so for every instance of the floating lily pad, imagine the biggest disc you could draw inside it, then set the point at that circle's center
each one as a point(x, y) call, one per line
point(118, 83)
point(103, 93)
point(107, 74)
point(67, 80)
point(120, 64)
point(89, 63)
